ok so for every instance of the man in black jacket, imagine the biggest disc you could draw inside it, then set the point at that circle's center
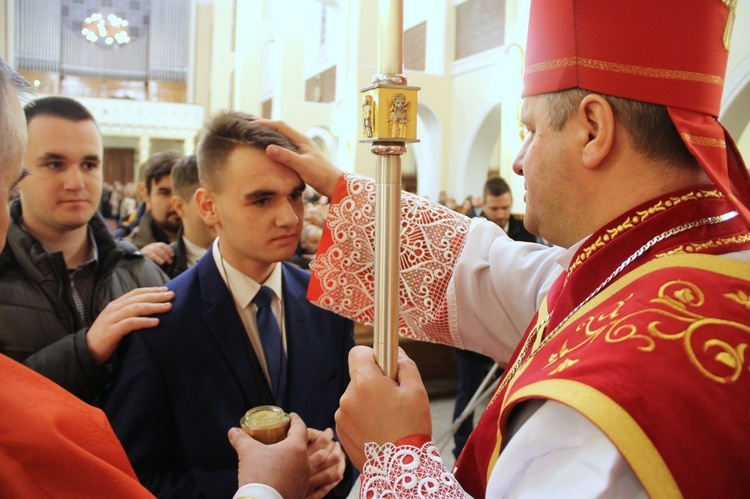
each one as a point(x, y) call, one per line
point(69, 289)
point(496, 207)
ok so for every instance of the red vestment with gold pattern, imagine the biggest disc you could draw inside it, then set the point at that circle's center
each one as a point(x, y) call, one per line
point(646, 332)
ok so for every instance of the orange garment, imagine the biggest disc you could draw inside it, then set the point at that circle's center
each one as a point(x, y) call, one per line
point(52, 444)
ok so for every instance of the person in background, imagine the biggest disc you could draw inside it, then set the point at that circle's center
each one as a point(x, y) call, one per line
point(194, 237)
point(70, 291)
point(442, 198)
point(472, 367)
point(307, 247)
point(465, 207)
point(105, 206)
point(496, 207)
point(450, 203)
point(158, 226)
point(114, 201)
point(128, 205)
point(474, 208)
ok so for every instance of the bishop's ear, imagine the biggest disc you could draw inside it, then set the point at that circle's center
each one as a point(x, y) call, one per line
point(207, 207)
point(598, 120)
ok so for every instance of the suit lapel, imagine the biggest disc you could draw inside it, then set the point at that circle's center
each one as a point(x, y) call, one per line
point(224, 324)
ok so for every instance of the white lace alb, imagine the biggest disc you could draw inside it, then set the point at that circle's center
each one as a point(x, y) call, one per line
point(432, 238)
point(405, 472)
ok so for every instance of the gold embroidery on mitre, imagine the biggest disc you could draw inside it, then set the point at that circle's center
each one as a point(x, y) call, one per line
point(727, 38)
point(678, 313)
point(615, 67)
point(703, 141)
point(640, 216)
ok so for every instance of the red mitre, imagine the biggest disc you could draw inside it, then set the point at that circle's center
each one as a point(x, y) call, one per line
point(668, 52)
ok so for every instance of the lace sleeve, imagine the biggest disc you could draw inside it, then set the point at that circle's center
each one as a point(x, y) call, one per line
point(405, 472)
point(432, 238)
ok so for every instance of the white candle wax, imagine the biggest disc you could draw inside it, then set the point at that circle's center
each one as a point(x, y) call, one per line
point(390, 36)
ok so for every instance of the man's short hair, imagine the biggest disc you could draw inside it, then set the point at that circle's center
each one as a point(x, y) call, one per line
point(185, 179)
point(223, 133)
point(495, 186)
point(61, 107)
point(10, 131)
point(650, 128)
point(158, 166)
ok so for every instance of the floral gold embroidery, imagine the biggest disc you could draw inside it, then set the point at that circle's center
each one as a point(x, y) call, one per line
point(640, 216)
point(706, 245)
point(740, 297)
point(715, 346)
point(564, 365)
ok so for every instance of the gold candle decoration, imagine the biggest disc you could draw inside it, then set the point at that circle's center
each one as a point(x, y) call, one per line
point(266, 423)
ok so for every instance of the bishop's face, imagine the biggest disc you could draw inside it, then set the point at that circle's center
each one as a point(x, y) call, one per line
point(547, 161)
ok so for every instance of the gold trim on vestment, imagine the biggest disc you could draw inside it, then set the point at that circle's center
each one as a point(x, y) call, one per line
point(700, 247)
point(724, 266)
point(629, 438)
point(616, 67)
point(541, 315)
point(632, 221)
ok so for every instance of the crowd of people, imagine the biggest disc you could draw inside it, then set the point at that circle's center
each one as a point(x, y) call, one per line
point(119, 202)
point(129, 355)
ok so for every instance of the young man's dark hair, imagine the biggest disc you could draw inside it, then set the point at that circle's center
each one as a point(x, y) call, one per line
point(495, 185)
point(158, 166)
point(62, 107)
point(185, 177)
point(226, 131)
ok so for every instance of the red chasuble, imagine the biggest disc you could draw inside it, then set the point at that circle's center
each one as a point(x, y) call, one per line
point(54, 445)
point(656, 359)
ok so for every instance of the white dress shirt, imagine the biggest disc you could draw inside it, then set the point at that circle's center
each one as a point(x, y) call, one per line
point(243, 289)
point(193, 252)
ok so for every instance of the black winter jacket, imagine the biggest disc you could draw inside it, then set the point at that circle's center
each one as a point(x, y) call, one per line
point(39, 325)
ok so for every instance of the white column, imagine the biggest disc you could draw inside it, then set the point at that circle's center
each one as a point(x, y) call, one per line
point(144, 150)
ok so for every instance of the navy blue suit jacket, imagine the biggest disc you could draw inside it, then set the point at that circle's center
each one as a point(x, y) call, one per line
point(179, 387)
